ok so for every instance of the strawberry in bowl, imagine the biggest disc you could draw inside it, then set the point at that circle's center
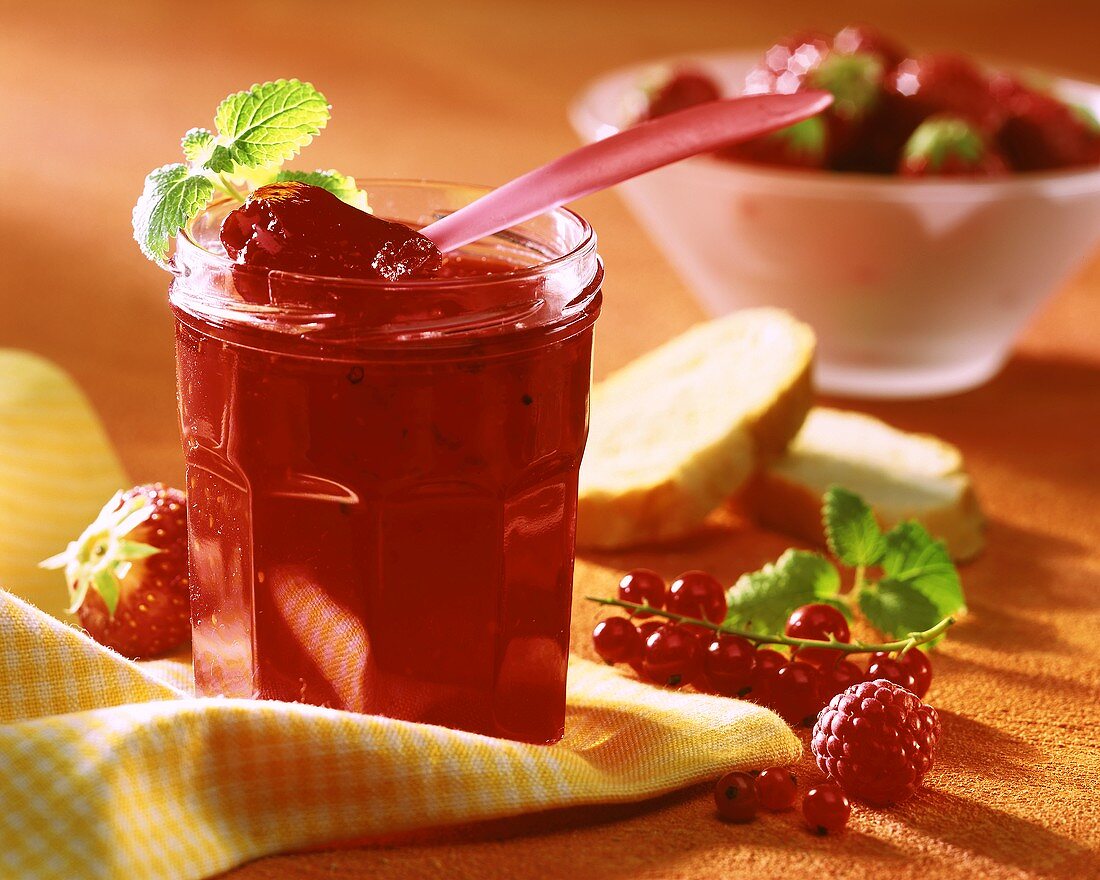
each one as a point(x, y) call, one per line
point(916, 224)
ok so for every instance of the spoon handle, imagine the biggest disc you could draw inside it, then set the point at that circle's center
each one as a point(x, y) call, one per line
point(623, 155)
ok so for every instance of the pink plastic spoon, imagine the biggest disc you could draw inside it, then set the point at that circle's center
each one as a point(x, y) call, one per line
point(621, 156)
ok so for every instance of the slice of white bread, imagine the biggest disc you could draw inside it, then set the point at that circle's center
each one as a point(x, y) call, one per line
point(900, 475)
point(679, 430)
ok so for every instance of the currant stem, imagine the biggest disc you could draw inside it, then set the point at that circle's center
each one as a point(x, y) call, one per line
point(910, 641)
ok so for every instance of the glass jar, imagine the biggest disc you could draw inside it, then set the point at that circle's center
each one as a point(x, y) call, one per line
point(382, 477)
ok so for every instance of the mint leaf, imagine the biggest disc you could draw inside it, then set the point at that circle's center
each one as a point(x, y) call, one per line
point(852, 531)
point(340, 185)
point(764, 599)
point(267, 124)
point(898, 608)
point(197, 144)
point(172, 196)
point(915, 558)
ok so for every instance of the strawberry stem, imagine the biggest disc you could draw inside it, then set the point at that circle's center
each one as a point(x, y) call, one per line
point(912, 640)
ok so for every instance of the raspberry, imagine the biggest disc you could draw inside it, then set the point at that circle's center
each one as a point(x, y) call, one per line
point(877, 741)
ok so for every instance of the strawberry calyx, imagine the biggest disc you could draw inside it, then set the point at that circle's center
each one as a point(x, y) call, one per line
point(939, 140)
point(855, 82)
point(103, 555)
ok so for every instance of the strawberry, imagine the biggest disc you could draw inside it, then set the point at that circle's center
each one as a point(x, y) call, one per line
point(785, 65)
point(932, 84)
point(949, 146)
point(677, 89)
point(127, 573)
point(863, 39)
point(802, 145)
point(806, 61)
point(1041, 132)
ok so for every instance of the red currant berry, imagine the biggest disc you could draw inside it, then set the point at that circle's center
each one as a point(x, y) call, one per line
point(839, 678)
point(643, 587)
point(735, 797)
point(697, 594)
point(727, 663)
point(765, 664)
point(916, 663)
point(645, 630)
point(672, 656)
point(796, 694)
point(617, 640)
point(891, 670)
point(819, 622)
point(826, 809)
point(776, 788)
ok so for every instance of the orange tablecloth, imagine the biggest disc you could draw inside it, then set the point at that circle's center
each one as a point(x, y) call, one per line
point(92, 97)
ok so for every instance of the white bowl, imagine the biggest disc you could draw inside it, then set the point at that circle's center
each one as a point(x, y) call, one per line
point(915, 287)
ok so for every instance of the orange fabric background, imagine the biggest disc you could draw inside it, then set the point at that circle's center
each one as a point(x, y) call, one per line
point(93, 96)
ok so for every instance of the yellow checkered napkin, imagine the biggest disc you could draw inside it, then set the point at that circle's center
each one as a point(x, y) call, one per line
point(57, 469)
point(111, 769)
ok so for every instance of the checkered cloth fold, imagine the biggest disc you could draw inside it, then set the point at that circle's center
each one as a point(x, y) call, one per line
point(113, 769)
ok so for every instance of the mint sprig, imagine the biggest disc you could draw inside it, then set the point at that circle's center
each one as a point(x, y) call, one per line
point(919, 586)
point(257, 131)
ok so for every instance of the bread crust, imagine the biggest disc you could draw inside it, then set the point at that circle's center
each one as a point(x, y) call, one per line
point(618, 507)
point(780, 502)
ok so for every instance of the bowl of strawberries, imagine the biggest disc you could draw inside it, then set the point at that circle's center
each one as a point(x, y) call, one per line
point(917, 223)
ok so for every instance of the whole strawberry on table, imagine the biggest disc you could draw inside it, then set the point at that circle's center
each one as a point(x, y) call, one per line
point(894, 112)
point(127, 573)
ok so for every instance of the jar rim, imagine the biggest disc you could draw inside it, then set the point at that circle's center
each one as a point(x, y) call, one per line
point(557, 290)
point(584, 247)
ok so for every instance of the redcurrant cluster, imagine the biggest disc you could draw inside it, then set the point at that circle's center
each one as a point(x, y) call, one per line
point(738, 796)
point(795, 686)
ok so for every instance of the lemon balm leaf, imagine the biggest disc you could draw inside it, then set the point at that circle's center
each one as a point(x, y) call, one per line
point(173, 194)
point(763, 599)
point(257, 130)
point(898, 608)
point(197, 144)
point(340, 185)
point(268, 123)
point(915, 558)
point(853, 533)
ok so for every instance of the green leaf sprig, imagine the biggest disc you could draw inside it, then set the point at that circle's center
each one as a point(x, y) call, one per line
point(919, 586)
point(257, 131)
point(916, 599)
